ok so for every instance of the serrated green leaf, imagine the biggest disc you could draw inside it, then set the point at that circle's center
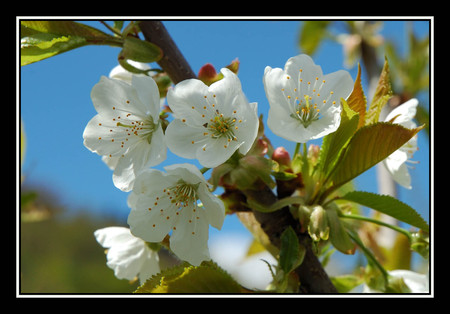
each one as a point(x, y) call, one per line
point(335, 142)
point(382, 94)
point(368, 146)
point(291, 251)
point(388, 205)
point(206, 278)
point(357, 100)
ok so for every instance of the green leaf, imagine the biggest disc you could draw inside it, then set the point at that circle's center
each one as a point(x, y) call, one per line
point(206, 278)
point(140, 51)
point(357, 100)
point(291, 252)
point(311, 35)
point(388, 205)
point(334, 143)
point(66, 28)
point(338, 234)
point(345, 283)
point(382, 94)
point(43, 39)
point(368, 146)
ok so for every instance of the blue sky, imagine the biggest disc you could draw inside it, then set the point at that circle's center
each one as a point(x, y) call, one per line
point(55, 105)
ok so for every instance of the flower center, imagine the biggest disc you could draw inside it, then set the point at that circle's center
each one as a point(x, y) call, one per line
point(220, 126)
point(143, 128)
point(183, 194)
point(305, 112)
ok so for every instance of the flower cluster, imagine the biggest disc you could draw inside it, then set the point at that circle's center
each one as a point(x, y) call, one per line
point(212, 123)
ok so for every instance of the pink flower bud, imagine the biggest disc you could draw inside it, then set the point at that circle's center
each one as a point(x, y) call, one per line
point(281, 156)
point(207, 74)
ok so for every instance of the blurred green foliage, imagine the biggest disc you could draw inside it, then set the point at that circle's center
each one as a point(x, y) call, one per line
point(62, 256)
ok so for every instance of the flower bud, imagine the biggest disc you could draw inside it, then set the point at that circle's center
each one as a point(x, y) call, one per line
point(313, 153)
point(281, 156)
point(318, 224)
point(207, 74)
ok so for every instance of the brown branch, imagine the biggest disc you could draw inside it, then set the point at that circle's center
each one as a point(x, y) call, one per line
point(173, 61)
point(313, 277)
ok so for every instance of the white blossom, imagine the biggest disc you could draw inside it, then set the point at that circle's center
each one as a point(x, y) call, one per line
point(127, 255)
point(168, 202)
point(211, 122)
point(126, 131)
point(304, 103)
point(396, 163)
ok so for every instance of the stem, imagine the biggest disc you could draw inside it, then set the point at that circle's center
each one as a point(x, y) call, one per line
point(378, 222)
point(297, 148)
point(113, 30)
point(204, 169)
point(370, 256)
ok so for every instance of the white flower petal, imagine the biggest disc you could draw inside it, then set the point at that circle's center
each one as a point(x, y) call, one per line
point(305, 63)
point(120, 73)
point(127, 255)
point(274, 81)
point(226, 91)
point(395, 163)
point(100, 138)
point(110, 96)
point(111, 162)
point(184, 140)
point(109, 236)
point(247, 132)
point(214, 207)
point(417, 283)
point(152, 219)
point(216, 152)
point(286, 128)
point(188, 172)
point(185, 95)
point(148, 92)
point(158, 148)
point(404, 113)
point(189, 240)
point(150, 266)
